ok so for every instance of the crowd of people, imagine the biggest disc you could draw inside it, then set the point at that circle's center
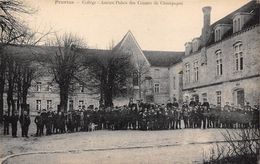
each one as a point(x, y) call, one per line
point(137, 116)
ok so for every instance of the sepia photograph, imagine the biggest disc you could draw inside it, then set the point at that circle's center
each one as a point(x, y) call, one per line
point(129, 82)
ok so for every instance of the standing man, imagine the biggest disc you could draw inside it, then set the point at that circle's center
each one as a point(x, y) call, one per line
point(25, 122)
point(39, 124)
point(14, 119)
point(6, 120)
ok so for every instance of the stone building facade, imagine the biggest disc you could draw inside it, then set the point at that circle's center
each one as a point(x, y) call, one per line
point(229, 72)
point(222, 65)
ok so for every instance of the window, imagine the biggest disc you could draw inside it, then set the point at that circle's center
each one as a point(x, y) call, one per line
point(174, 83)
point(157, 73)
point(81, 102)
point(187, 72)
point(239, 61)
point(38, 104)
point(196, 71)
point(70, 104)
point(38, 86)
point(49, 104)
point(157, 88)
point(135, 79)
point(49, 87)
point(204, 97)
point(217, 34)
point(219, 63)
point(218, 98)
point(81, 88)
point(237, 25)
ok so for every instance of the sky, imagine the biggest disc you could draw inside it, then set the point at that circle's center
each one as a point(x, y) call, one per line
point(155, 27)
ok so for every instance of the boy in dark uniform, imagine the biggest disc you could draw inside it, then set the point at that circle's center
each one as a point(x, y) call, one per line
point(6, 120)
point(39, 124)
point(25, 122)
point(14, 119)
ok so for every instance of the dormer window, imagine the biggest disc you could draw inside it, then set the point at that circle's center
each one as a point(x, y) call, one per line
point(217, 35)
point(239, 20)
point(220, 30)
point(195, 44)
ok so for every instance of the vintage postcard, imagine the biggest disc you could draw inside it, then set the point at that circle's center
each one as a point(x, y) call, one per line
point(129, 81)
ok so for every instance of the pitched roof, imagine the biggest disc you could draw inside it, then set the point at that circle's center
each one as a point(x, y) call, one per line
point(251, 7)
point(163, 58)
point(155, 58)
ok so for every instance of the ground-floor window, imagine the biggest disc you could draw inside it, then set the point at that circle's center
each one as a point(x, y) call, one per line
point(49, 104)
point(71, 105)
point(156, 88)
point(38, 104)
point(218, 98)
point(81, 102)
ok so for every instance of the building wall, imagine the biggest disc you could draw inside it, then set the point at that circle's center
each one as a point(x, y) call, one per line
point(231, 78)
point(160, 75)
point(175, 82)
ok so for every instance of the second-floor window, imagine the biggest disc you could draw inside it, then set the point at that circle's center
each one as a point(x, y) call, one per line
point(49, 87)
point(219, 63)
point(196, 71)
point(187, 72)
point(239, 60)
point(38, 86)
point(81, 88)
point(156, 88)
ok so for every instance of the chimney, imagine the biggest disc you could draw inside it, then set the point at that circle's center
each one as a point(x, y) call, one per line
point(206, 24)
point(205, 34)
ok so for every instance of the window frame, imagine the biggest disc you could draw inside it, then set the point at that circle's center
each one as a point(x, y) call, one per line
point(238, 56)
point(157, 88)
point(38, 105)
point(219, 63)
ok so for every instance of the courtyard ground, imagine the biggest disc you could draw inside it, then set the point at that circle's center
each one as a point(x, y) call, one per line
point(167, 146)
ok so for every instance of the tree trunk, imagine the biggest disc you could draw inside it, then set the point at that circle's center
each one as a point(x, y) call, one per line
point(64, 95)
point(2, 85)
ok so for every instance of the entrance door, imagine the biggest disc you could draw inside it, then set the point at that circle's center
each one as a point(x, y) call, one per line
point(240, 97)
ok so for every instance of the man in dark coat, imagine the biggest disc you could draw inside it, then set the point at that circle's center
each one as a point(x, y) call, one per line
point(6, 120)
point(25, 122)
point(44, 120)
point(14, 119)
point(39, 124)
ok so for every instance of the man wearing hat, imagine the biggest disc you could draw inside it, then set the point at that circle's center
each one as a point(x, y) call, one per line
point(39, 124)
point(14, 119)
point(6, 120)
point(25, 122)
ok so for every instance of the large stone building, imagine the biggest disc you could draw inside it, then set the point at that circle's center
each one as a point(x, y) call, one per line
point(222, 65)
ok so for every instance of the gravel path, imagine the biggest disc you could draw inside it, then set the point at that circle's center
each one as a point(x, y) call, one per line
point(172, 146)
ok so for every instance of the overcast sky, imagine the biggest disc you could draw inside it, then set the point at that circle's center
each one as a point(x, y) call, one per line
point(161, 27)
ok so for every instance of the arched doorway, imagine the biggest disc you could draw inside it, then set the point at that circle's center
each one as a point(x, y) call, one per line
point(239, 96)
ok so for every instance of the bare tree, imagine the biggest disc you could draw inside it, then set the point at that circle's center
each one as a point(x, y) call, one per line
point(10, 30)
point(141, 71)
point(64, 63)
point(109, 72)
